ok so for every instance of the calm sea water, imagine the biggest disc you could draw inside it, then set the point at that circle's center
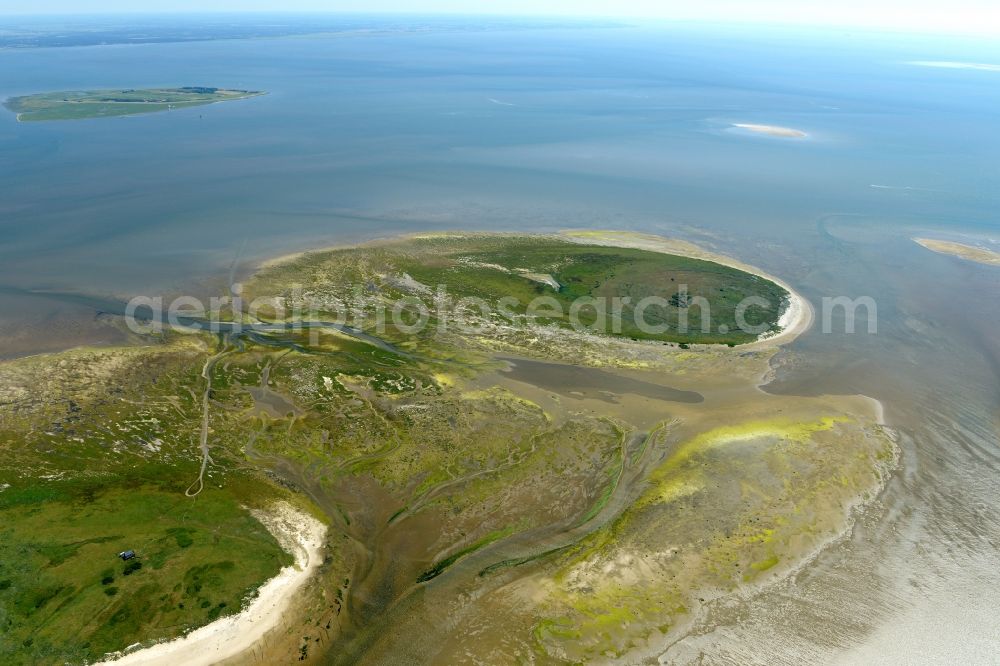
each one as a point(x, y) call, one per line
point(365, 135)
point(374, 134)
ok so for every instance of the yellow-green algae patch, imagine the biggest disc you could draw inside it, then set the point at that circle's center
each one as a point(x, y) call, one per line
point(726, 507)
point(780, 429)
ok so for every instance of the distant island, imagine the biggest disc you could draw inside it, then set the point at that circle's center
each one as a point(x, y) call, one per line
point(76, 105)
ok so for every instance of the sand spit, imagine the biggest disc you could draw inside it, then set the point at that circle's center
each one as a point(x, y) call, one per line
point(298, 533)
point(772, 130)
point(795, 320)
point(980, 255)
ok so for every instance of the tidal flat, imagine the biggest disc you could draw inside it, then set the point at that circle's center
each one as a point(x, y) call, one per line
point(559, 512)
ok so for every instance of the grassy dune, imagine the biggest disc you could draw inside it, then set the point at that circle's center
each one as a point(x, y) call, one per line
point(66, 596)
point(98, 451)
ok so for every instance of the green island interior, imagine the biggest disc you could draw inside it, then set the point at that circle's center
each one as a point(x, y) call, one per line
point(448, 477)
point(492, 268)
point(79, 105)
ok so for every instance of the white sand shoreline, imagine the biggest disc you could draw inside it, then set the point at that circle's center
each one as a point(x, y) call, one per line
point(301, 535)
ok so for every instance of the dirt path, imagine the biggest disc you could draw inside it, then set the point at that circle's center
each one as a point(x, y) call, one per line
point(206, 458)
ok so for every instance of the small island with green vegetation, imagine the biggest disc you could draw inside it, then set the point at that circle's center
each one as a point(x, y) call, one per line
point(79, 105)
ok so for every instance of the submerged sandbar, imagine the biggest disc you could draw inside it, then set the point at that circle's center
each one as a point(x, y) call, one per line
point(772, 130)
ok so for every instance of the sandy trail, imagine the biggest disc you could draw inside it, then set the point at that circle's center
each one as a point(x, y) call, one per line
point(206, 373)
point(297, 532)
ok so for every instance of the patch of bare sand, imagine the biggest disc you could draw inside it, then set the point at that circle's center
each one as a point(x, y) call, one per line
point(772, 130)
point(980, 255)
point(301, 535)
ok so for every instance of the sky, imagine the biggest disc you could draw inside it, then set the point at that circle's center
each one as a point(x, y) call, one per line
point(948, 16)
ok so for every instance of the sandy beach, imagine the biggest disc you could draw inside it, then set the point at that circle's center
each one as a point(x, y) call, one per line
point(298, 533)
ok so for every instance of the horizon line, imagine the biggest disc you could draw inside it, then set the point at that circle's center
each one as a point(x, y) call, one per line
point(654, 19)
point(744, 22)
